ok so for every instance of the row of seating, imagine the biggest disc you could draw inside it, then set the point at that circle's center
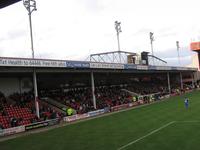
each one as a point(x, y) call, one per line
point(23, 116)
point(5, 121)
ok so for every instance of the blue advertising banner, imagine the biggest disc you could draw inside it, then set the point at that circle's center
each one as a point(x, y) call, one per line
point(130, 66)
point(152, 67)
point(174, 68)
point(77, 64)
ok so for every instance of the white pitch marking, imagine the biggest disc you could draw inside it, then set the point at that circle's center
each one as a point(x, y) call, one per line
point(189, 121)
point(152, 132)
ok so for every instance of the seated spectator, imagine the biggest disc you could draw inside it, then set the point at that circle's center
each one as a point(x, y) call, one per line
point(1, 127)
point(53, 115)
point(13, 122)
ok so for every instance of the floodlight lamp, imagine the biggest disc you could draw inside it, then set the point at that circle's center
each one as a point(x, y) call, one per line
point(26, 4)
point(151, 36)
point(30, 5)
point(118, 26)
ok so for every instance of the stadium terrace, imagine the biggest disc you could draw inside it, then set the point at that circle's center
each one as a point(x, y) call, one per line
point(74, 90)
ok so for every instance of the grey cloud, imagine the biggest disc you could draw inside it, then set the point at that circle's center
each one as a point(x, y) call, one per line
point(91, 5)
point(183, 61)
point(96, 5)
point(170, 33)
point(170, 53)
point(171, 56)
point(14, 34)
point(45, 55)
point(164, 32)
point(141, 31)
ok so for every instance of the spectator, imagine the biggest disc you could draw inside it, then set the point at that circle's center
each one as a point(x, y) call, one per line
point(1, 126)
point(13, 122)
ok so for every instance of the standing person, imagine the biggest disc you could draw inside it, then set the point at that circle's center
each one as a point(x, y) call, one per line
point(186, 102)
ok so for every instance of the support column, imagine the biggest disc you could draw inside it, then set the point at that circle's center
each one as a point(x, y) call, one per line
point(181, 80)
point(192, 76)
point(168, 83)
point(93, 91)
point(36, 93)
point(20, 85)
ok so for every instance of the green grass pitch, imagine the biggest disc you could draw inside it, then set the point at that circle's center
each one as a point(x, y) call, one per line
point(117, 130)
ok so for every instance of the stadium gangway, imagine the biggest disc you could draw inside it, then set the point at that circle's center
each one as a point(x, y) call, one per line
point(52, 106)
point(136, 94)
point(130, 92)
point(150, 94)
point(54, 103)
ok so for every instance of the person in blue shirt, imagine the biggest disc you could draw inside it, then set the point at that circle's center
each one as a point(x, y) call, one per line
point(186, 102)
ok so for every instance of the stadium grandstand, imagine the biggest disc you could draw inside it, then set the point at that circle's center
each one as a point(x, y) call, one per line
point(74, 90)
point(109, 81)
point(83, 87)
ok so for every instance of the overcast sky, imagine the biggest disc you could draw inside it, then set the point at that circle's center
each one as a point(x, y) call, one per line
point(73, 29)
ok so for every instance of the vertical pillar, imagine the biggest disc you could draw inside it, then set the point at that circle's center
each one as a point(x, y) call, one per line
point(93, 91)
point(168, 83)
point(36, 93)
point(192, 77)
point(20, 85)
point(181, 80)
point(198, 59)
